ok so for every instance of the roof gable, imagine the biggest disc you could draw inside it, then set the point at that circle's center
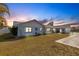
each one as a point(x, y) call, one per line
point(17, 23)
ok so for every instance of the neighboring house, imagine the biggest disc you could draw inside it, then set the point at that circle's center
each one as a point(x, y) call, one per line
point(31, 27)
point(74, 27)
point(4, 30)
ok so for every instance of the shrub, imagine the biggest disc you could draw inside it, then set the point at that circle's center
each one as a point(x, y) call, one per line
point(13, 30)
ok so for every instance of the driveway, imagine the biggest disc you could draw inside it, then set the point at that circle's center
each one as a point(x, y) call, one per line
point(72, 40)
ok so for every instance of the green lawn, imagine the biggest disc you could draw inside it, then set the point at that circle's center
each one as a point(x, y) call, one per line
point(35, 45)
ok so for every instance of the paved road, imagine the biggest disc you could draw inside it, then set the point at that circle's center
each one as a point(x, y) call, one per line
point(72, 40)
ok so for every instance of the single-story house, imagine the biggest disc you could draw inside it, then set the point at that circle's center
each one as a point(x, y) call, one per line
point(32, 27)
point(57, 27)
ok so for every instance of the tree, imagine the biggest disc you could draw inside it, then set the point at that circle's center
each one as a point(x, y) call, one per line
point(3, 10)
point(13, 30)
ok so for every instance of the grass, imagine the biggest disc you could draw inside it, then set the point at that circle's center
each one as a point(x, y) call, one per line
point(43, 45)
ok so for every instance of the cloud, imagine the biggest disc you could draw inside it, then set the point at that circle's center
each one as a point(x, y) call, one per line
point(33, 17)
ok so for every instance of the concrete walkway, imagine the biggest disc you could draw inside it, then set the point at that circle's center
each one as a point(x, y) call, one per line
point(72, 40)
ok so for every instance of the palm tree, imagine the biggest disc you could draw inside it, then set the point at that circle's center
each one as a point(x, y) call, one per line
point(3, 9)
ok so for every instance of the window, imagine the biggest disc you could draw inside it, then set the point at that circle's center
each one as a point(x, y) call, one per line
point(28, 29)
point(40, 29)
point(36, 29)
point(48, 29)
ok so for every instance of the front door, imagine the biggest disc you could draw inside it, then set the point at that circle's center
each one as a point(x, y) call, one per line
point(36, 31)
